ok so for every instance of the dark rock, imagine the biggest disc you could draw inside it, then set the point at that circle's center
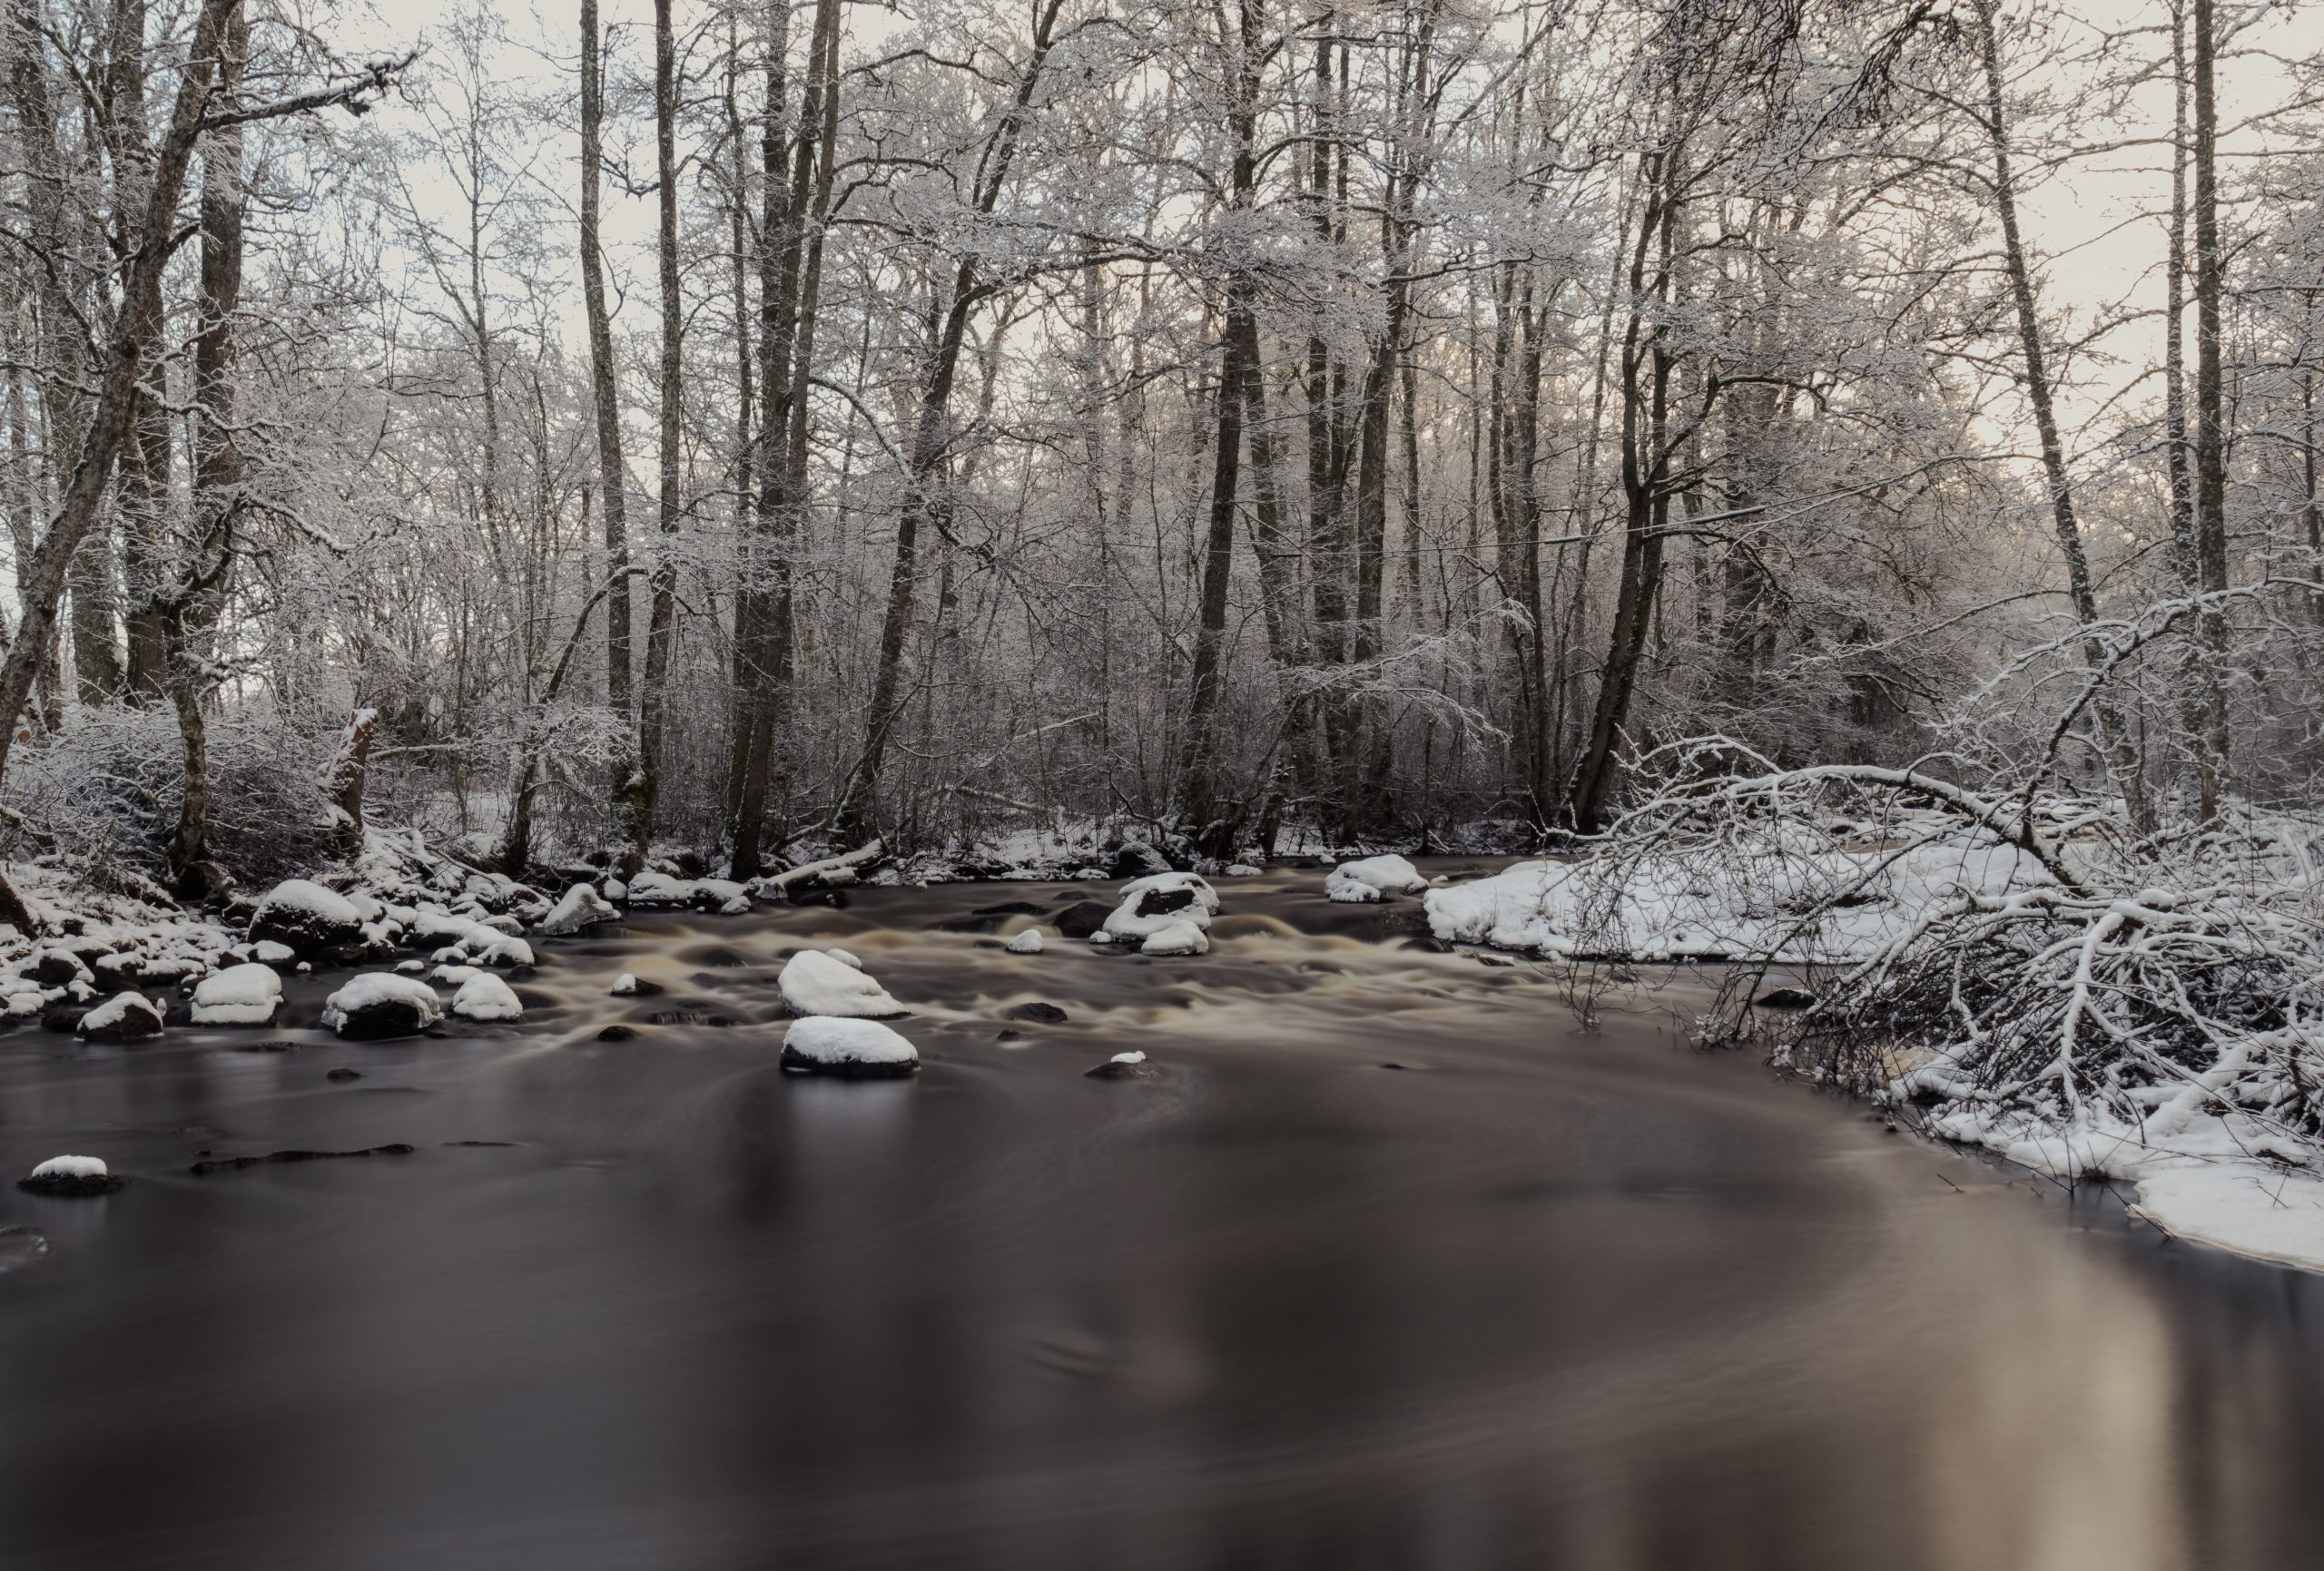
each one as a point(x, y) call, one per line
point(71, 1186)
point(618, 1034)
point(1493, 960)
point(1787, 999)
point(344, 1075)
point(139, 1021)
point(203, 883)
point(1392, 1067)
point(846, 1069)
point(1426, 944)
point(643, 989)
point(689, 1017)
point(1111, 1070)
point(54, 967)
point(723, 958)
point(1162, 902)
point(378, 1019)
point(968, 924)
point(229, 1163)
point(179, 1012)
point(1136, 861)
point(1035, 1014)
point(119, 973)
point(22, 1246)
point(522, 973)
point(1082, 917)
point(1010, 1036)
point(63, 1018)
point(480, 1143)
point(1009, 908)
point(817, 895)
point(297, 924)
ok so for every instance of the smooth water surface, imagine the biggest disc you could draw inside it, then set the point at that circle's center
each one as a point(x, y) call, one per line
point(1397, 1267)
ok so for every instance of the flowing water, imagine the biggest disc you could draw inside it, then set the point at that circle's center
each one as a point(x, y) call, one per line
point(1396, 1266)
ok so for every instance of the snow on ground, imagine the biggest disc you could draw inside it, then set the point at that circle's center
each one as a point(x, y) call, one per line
point(1656, 908)
point(814, 983)
point(2217, 1178)
point(821, 1043)
point(1370, 879)
point(246, 994)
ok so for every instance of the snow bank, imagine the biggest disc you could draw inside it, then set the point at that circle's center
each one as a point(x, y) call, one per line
point(823, 1045)
point(1372, 878)
point(1762, 906)
point(237, 996)
point(485, 996)
point(816, 983)
point(1157, 901)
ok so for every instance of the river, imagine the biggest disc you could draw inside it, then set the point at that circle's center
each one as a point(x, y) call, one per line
point(1396, 1266)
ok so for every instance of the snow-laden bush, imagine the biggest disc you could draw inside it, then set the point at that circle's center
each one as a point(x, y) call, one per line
point(101, 797)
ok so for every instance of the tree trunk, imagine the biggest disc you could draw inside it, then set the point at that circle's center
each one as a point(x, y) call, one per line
point(661, 617)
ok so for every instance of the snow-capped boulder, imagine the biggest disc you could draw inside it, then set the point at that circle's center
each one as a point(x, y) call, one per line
point(627, 986)
point(124, 1017)
point(382, 1004)
point(813, 983)
point(1371, 878)
point(854, 1048)
point(305, 917)
point(281, 956)
point(448, 975)
point(503, 951)
point(1176, 938)
point(246, 994)
point(56, 968)
point(1151, 904)
point(71, 1176)
point(580, 906)
point(442, 929)
point(1125, 1066)
point(1028, 942)
point(659, 889)
point(485, 996)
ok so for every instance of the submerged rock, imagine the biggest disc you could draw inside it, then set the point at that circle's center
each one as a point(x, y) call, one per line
point(1037, 1013)
point(850, 1048)
point(71, 1177)
point(230, 1164)
point(1082, 917)
point(618, 1034)
point(343, 1075)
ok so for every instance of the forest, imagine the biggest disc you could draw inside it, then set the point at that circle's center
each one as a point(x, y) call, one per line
point(1232, 425)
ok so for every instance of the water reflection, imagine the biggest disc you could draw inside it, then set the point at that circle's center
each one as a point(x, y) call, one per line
point(1536, 1297)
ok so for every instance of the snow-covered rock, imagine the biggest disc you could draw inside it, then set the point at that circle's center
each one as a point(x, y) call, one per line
point(1176, 938)
point(813, 983)
point(1130, 1066)
point(580, 906)
point(1243, 870)
point(845, 957)
point(306, 917)
point(504, 951)
point(1372, 878)
point(485, 996)
point(650, 888)
point(1150, 904)
point(856, 1048)
point(72, 1176)
point(246, 994)
point(382, 1004)
point(1028, 942)
point(281, 956)
point(450, 975)
point(124, 1017)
